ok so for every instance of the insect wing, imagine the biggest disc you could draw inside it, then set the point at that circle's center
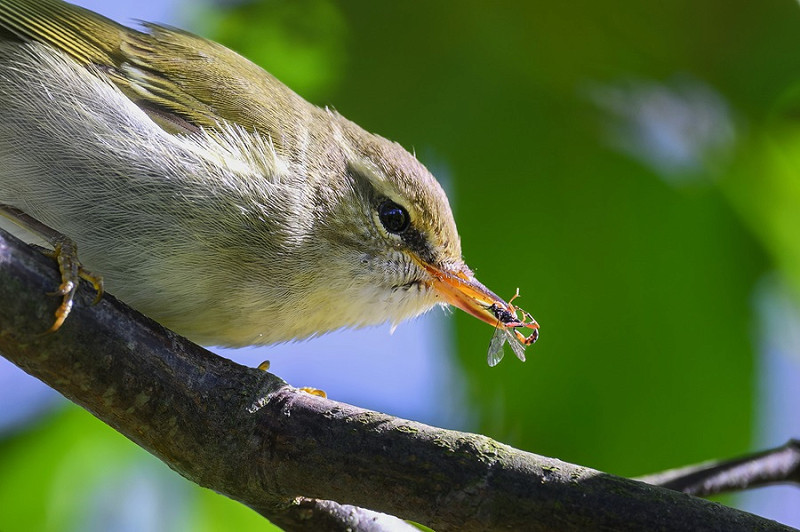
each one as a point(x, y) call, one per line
point(496, 351)
point(516, 345)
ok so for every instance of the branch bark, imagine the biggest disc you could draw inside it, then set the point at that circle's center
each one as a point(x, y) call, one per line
point(248, 435)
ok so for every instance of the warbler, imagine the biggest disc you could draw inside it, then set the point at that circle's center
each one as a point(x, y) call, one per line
point(207, 194)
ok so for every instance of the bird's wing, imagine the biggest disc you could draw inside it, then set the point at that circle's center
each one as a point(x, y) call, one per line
point(181, 80)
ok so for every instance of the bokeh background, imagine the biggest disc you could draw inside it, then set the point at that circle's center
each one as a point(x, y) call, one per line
point(632, 167)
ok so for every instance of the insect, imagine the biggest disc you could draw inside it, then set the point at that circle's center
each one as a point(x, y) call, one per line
point(506, 331)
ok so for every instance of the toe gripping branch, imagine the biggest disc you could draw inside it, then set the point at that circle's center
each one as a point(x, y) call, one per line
point(65, 252)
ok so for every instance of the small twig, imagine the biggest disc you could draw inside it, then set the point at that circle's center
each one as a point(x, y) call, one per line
point(774, 466)
point(329, 516)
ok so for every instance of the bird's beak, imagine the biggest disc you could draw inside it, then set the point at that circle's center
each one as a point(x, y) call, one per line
point(459, 287)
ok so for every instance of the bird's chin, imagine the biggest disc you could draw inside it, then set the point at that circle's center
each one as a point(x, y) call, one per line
point(409, 300)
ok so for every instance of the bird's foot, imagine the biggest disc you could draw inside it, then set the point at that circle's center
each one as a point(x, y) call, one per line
point(65, 252)
point(264, 366)
point(313, 391)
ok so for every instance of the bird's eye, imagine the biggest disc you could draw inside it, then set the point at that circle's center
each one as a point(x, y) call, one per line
point(394, 218)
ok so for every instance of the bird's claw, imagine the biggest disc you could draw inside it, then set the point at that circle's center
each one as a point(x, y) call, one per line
point(313, 391)
point(65, 252)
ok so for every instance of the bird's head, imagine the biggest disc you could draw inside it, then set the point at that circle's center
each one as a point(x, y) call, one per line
point(392, 226)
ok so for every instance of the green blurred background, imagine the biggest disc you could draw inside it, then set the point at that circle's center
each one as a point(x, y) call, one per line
point(631, 166)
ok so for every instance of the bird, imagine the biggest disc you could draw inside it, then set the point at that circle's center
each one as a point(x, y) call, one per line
point(208, 195)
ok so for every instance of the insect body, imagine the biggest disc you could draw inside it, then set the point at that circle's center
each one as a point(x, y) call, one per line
point(506, 331)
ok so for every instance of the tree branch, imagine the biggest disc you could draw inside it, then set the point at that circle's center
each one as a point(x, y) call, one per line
point(246, 434)
point(773, 466)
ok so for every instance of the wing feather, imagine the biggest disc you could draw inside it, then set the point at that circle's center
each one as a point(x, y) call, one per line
point(184, 82)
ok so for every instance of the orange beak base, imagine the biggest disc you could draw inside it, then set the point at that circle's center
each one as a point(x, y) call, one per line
point(461, 289)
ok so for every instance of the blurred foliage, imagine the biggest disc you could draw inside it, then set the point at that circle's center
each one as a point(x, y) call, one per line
point(765, 189)
point(72, 472)
point(641, 273)
point(300, 43)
